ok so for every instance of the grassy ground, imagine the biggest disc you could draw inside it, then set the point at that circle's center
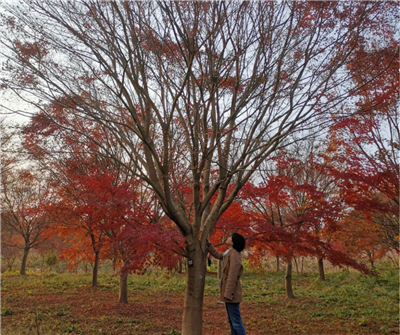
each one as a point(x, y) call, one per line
point(346, 303)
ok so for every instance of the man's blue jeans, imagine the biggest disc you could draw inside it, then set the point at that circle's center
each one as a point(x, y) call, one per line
point(234, 318)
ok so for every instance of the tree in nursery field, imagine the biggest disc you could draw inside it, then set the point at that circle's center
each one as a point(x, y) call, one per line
point(88, 206)
point(10, 239)
point(101, 213)
point(23, 198)
point(295, 211)
point(88, 194)
point(361, 238)
point(363, 148)
point(144, 238)
point(209, 89)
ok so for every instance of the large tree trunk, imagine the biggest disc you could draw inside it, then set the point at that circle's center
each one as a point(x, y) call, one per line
point(321, 268)
point(96, 268)
point(192, 322)
point(24, 260)
point(288, 280)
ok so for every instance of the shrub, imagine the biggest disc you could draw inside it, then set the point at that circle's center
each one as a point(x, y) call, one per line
point(50, 259)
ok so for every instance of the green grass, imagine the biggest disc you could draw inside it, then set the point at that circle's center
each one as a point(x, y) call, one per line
point(345, 297)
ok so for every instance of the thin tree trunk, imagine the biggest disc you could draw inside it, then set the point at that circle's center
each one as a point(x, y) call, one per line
point(123, 284)
point(321, 268)
point(192, 322)
point(288, 280)
point(372, 264)
point(302, 265)
point(180, 267)
point(123, 288)
point(24, 260)
point(297, 265)
point(277, 263)
point(114, 261)
point(96, 268)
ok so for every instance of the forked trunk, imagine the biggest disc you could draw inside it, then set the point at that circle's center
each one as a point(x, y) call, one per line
point(123, 288)
point(192, 322)
point(288, 280)
point(96, 268)
point(321, 268)
point(24, 260)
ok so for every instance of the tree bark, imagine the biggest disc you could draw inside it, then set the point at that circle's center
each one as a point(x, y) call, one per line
point(123, 282)
point(297, 265)
point(96, 268)
point(288, 280)
point(277, 263)
point(24, 260)
point(179, 267)
point(114, 261)
point(372, 264)
point(123, 288)
point(192, 322)
point(321, 268)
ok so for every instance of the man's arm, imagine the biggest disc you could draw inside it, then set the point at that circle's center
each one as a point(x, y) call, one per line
point(214, 252)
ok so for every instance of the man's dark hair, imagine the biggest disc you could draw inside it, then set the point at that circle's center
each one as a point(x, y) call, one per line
point(238, 242)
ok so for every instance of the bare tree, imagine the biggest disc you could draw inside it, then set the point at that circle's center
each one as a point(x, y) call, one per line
point(206, 89)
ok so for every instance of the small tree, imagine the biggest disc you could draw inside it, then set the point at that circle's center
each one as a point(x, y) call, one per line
point(294, 211)
point(23, 200)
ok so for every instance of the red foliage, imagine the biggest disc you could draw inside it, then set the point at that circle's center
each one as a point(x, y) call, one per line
point(98, 206)
point(295, 213)
point(30, 50)
point(363, 147)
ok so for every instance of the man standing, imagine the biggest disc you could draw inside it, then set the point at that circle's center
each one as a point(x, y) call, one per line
point(230, 287)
